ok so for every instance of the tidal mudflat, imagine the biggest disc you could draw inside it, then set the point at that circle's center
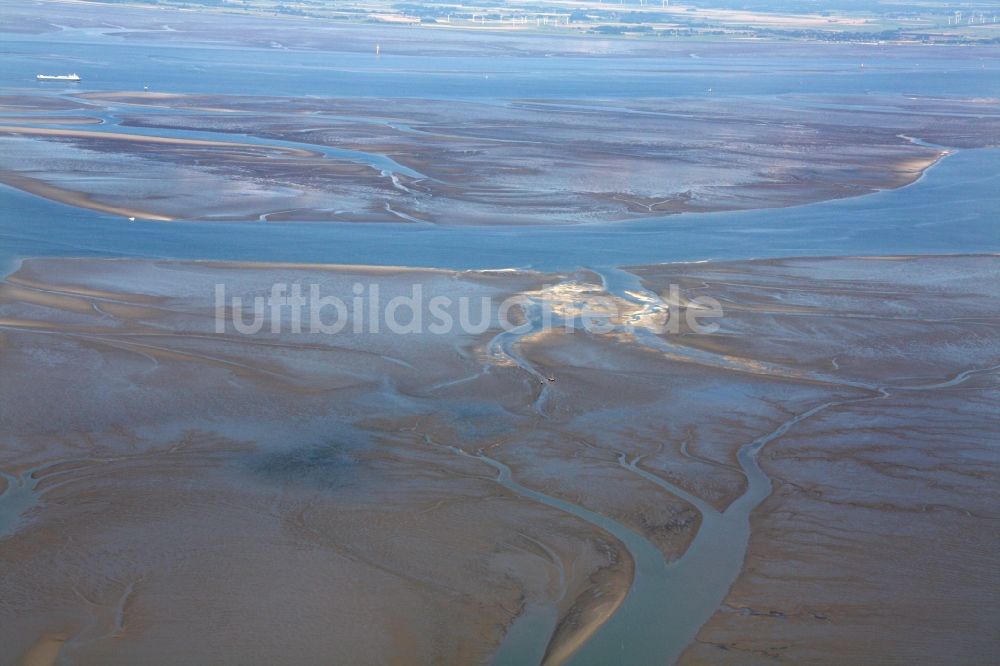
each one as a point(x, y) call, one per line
point(394, 498)
point(552, 456)
point(203, 157)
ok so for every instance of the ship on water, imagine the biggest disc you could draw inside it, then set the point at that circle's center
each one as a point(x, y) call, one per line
point(57, 77)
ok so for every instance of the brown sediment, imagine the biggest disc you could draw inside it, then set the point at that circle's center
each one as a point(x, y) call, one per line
point(873, 495)
point(44, 651)
point(433, 612)
point(593, 606)
point(313, 475)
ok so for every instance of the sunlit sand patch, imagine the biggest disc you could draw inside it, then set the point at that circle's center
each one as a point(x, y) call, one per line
point(72, 197)
point(44, 651)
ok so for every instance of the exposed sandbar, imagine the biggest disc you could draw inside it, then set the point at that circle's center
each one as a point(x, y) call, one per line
point(73, 198)
point(141, 138)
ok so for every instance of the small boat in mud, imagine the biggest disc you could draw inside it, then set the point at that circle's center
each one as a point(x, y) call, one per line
point(58, 77)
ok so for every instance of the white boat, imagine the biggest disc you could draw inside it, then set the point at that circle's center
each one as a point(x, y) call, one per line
point(57, 77)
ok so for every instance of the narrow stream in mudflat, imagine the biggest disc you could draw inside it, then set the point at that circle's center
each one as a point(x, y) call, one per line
point(19, 495)
point(668, 602)
point(113, 123)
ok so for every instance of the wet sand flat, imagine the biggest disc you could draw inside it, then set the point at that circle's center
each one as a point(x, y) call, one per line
point(384, 496)
point(875, 543)
point(296, 486)
point(517, 162)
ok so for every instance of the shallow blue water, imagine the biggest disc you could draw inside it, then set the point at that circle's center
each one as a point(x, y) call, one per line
point(109, 63)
